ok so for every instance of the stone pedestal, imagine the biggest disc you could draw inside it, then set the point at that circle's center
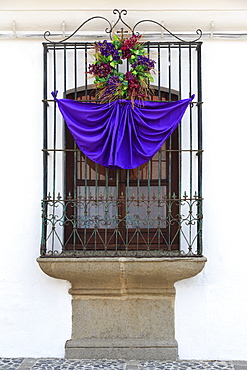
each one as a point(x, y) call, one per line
point(122, 307)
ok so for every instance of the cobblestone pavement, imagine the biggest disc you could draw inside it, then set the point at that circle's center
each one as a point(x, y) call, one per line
point(62, 364)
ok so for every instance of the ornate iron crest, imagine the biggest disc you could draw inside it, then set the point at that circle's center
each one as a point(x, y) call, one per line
point(110, 28)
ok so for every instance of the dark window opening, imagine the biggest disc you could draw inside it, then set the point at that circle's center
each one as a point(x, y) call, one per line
point(123, 209)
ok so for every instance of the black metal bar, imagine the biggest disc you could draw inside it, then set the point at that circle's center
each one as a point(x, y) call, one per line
point(85, 203)
point(75, 211)
point(45, 170)
point(117, 210)
point(154, 44)
point(78, 150)
point(148, 53)
point(64, 125)
point(138, 208)
point(159, 95)
point(54, 123)
point(86, 88)
point(75, 72)
point(199, 113)
point(127, 197)
point(180, 127)
point(64, 133)
point(169, 73)
point(180, 154)
point(99, 101)
point(54, 147)
point(96, 197)
point(106, 211)
point(148, 204)
point(169, 142)
point(159, 195)
point(191, 144)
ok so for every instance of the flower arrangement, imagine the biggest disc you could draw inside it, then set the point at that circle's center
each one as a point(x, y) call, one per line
point(112, 84)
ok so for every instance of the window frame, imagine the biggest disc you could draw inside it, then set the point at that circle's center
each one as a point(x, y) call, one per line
point(53, 236)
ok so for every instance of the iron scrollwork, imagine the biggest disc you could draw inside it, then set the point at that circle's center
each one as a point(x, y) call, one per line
point(110, 28)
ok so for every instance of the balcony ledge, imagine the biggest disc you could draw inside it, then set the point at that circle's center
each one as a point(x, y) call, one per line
point(121, 276)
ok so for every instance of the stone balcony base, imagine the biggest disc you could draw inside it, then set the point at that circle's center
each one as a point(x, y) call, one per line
point(126, 348)
point(122, 307)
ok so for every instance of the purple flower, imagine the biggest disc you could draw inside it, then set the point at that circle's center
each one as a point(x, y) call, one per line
point(112, 86)
point(101, 70)
point(144, 61)
point(107, 48)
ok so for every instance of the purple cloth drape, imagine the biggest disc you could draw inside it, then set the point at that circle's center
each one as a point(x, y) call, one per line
point(119, 135)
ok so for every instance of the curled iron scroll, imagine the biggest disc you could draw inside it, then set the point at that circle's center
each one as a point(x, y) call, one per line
point(47, 33)
point(198, 31)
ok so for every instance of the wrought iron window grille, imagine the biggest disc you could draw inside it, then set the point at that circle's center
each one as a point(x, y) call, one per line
point(152, 211)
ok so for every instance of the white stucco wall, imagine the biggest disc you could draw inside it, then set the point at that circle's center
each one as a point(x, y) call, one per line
point(211, 308)
point(30, 302)
point(35, 310)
